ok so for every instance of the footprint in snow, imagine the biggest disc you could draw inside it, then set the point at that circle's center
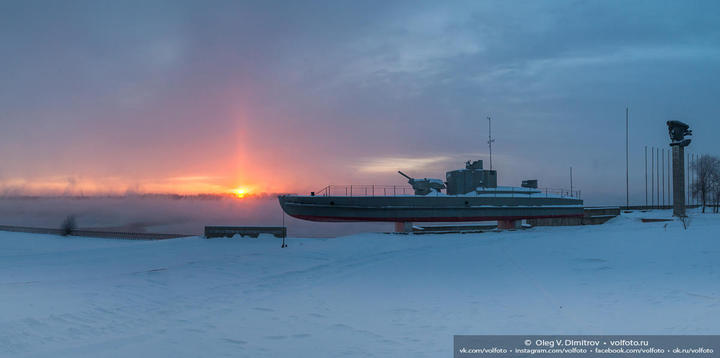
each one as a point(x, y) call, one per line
point(404, 310)
point(275, 337)
point(590, 260)
point(234, 341)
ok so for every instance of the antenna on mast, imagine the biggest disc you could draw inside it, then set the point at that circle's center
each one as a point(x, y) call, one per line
point(490, 139)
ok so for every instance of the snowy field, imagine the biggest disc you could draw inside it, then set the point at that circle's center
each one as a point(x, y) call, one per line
point(363, 295)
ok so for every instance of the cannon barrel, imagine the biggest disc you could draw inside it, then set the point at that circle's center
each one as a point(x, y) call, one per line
point(405, 175)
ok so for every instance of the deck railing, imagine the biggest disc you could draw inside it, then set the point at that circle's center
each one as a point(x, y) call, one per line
point(395, 190)
point(366, 190)
point(565, 193)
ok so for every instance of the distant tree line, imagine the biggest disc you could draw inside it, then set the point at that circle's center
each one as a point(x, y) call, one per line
point(707, 186)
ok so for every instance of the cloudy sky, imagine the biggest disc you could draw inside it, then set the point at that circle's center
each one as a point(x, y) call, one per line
point(206, 96)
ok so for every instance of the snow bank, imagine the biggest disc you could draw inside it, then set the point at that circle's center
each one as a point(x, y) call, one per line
point(362, 295)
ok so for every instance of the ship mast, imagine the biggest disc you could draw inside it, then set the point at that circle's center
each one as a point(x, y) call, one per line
point(490, 139)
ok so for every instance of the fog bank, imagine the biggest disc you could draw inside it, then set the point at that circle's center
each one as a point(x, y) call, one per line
point(167, 215)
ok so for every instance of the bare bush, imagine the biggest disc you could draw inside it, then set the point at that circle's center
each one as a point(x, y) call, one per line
point(715, 191)
point(707, 172)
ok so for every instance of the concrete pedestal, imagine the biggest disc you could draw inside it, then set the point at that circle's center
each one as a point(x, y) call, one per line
point(508, 224)
point(403, 227)
point(678, 168)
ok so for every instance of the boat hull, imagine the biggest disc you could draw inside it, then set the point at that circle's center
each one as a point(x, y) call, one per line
point(444, 208)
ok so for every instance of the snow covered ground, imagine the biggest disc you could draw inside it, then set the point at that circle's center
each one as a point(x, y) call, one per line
point(362, 295)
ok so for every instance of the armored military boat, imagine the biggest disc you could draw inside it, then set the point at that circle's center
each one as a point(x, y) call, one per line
point(469, 194)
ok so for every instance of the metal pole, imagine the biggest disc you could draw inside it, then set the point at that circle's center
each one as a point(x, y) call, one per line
point(490, 140)
point(652, 179)
point(697, 200)
point(627, 159)
point(665, 190)
point(692, 177)
point(657, 175)
point(694, 174)
point(571, 183)
point(663, 177)
point(670, 188)
point(283, 245)
point(670, 179)
point(646, 191)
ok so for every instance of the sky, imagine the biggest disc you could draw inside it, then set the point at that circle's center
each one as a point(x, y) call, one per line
point(192, 97)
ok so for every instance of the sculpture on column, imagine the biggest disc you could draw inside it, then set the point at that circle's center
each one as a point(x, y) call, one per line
point(677, 131)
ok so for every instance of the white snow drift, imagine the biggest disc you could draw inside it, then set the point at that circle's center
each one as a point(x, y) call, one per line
point(363, 295)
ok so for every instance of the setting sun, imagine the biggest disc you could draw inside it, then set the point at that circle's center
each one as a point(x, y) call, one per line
point(240, 192)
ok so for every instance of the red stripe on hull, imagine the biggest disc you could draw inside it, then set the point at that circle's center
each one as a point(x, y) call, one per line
point(430, 219)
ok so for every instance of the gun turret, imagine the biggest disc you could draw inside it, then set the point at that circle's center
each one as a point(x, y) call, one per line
point(424, 186)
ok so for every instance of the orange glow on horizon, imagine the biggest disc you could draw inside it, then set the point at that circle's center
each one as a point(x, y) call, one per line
point(91, 186)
